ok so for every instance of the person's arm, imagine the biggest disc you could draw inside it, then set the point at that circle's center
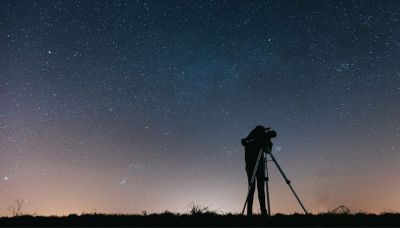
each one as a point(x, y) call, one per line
point(244, 142)
point(248, 140)
point(262, 138)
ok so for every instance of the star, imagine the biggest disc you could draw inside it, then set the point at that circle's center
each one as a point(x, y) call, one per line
point(103, 92)
point(124, 181)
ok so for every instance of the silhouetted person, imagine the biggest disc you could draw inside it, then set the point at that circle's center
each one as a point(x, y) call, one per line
point(253, 143)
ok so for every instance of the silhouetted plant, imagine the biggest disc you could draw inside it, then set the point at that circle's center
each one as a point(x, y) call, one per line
point(16, 209)
point(388, 211)
point(341, 210)
point(200, 210)
point(169, 213)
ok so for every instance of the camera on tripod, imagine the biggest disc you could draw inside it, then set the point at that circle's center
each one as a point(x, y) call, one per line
point(262, 134)
point(269, 134)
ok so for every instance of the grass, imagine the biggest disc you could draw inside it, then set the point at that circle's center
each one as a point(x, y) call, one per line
point(204, 219)
point(203, 216)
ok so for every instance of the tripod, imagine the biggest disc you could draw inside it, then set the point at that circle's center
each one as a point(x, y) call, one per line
point(267, 151)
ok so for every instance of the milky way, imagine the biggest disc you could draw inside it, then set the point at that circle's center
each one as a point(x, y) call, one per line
point(131, 106)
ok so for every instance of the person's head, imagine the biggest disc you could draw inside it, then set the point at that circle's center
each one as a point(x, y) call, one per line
point(259, 129)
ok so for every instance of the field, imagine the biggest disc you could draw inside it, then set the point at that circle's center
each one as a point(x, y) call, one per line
point(206, 219)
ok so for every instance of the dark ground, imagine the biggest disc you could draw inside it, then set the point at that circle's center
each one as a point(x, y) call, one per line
point(177, 220)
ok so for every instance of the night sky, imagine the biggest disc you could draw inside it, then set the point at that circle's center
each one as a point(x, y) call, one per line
point(131, 106)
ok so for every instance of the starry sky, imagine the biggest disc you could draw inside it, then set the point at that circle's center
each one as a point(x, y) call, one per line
point(131, 106)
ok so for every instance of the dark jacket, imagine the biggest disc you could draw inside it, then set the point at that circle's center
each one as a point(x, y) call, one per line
point(253, 143)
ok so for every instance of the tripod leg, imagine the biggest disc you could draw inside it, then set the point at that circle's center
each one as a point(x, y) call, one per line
point(266, 186)
point(287, 182)
point(253, 177)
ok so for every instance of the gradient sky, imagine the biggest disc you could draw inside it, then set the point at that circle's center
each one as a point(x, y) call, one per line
point(131, 106)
